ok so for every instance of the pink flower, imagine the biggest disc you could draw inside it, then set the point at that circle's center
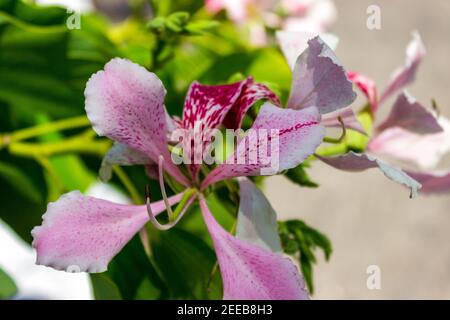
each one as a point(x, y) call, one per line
point(293, 45)
point(314, 16)
point(125, 103)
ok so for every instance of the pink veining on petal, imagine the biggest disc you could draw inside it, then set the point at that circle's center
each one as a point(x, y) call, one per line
point(299, 133)
point(82, 234)
point(125, 103)
point(250, 272)
point(367, 86)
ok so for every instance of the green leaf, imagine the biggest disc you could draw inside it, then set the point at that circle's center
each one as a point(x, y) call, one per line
point(7, 286)
point(301, 241)
point(185, 262)
point(131, 268)
point(104, 288)
point(299, 176)
point(20, 182)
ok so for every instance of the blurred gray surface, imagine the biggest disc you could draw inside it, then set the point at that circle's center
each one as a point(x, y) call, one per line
point(371, 220)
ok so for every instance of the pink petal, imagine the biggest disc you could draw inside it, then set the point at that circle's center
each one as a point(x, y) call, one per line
point(299, 134)
point(293, 43)
point(125, 103)
point(425, 151)
point(432, 182)
point(237, 10)
point(121, 154)
point(257, 220)
point(348, 117)
point(210, 104)
point(403, 76)
point(410, 115)
point(359, 162)
point(82, 234)
point(213, 105)
point(251, 93)
point(367, 86)
point(319, 80)
point(250, 272)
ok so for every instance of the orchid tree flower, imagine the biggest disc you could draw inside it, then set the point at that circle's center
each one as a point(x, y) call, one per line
point(125, 103)
point(290, 15)
point(412, 135)
point(296, 47)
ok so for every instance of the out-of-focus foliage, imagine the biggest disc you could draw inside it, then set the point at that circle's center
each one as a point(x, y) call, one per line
point(7, 286)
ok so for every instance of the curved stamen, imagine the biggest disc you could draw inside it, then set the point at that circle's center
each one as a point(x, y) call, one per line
point(163, 188)
point(164, 227)
point(343, 134)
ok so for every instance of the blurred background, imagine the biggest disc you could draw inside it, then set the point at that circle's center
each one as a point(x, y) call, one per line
point(369, 219)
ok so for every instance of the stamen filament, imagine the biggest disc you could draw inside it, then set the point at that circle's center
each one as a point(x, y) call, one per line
point(171, 224)
point(163, 189)
point(343, 134)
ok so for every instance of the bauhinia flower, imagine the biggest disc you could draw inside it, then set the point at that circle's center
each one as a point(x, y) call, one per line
point(294, 46)
point(125, 103)
point(411, 135)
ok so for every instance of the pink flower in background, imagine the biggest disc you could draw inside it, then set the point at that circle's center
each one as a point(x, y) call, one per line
point(125, 102)
point(314, 16)
point(293, 45)
point(411, 135)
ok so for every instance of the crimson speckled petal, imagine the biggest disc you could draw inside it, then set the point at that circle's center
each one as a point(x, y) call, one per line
point(250, 272)
point(82, 234)
point(125, 102)
point(210, 104)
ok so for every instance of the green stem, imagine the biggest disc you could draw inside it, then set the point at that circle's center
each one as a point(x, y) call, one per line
point(186, 197)
point(41, 129)
point(129, 186)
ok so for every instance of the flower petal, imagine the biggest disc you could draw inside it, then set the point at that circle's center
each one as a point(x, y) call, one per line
point(319, 80)
point(432, 182)
point(257, 221)
point(250, 272)
point(425, 151)
point(348, 117)
point(210, 104)
point(403, 76)
point(293, 43)
point(251, 93)
point(359, 162)
point(123, 155)
point(293, 135)
point(410, 115)
point(367, 86)
point(82, 234)
point(125, 103)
